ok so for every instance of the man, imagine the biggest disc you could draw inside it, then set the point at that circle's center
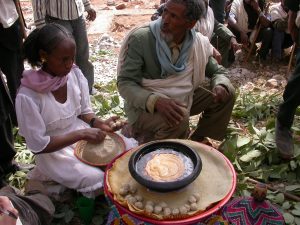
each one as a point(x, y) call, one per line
point(11, 62)
point(162, 90)
point(242, 21)
point(281, 37)
point(218, 7)
point(291, 95)
point(69, 13)
point(219, 35)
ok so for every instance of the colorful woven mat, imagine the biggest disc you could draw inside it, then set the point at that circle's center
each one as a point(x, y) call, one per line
point(247, 211)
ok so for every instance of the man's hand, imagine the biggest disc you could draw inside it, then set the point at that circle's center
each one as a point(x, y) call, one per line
point(217, 55)
point(170, 109)
point(221, 94)
point(91, 15)
point(234, 45)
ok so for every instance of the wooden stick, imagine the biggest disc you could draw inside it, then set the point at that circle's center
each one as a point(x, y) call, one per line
point(252, 44)
point(203, 88)
point(291, 59)
point(256, 35)
point(286, 194)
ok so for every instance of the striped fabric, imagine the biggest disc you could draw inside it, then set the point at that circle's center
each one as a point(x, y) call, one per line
point(60, 9)
point(247, 211)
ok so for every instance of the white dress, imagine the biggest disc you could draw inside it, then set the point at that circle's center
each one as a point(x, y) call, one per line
point(41, 116)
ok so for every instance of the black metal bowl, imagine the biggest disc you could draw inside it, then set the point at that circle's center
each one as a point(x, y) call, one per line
point(165, 186)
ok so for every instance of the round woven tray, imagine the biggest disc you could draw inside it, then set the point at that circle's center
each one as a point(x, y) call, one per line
point(93, 159)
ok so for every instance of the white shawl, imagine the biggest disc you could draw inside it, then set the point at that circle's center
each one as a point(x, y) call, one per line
point(181, 87)
point(206, 24)
point(238, 11)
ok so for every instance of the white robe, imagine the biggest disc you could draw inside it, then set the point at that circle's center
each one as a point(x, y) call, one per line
point(41, 116)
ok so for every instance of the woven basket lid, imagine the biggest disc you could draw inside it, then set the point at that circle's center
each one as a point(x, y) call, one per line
point(100, 154)
point(248, 211)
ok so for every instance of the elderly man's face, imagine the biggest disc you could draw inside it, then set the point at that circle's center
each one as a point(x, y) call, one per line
point(174, 22)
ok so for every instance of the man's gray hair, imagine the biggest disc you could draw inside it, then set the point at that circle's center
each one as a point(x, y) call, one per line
point(194, 8)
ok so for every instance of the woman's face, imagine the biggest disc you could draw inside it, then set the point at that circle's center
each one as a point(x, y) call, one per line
point(60, 60)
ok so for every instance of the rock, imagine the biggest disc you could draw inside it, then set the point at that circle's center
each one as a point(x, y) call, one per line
point(121, 6)
point(110, 2)
point(272, 83)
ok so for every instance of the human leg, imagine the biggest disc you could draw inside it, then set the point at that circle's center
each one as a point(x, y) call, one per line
point(215, 118)
point(82, 47)
point(286, 113)
point(218, 6)
point(150, 127)
point(65, 169)
point(278, 37)
point(265, 36)
point(11, 62)
point(7, 148)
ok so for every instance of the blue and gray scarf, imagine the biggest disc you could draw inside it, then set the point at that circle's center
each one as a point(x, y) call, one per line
point(164, 53)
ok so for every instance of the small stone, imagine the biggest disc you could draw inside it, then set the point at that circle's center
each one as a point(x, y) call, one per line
point(149, 203)
point(120, 6)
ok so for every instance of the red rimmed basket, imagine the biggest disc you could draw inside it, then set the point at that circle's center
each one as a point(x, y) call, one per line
point(191, 220)
point(78, 150)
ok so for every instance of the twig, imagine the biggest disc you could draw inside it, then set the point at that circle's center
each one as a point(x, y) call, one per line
point(286, 194)
point(291, 59)
point(21, 18)
point(203, 88)
point(256, 34)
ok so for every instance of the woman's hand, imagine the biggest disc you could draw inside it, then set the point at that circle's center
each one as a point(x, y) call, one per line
point(114, 123)
point(5, 204)
point(93, 135)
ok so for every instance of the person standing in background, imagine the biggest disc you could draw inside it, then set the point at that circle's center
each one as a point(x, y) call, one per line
point(69, 13)
point(218, 6)
point(7, 151)
point(11, 62)
point(291, 95)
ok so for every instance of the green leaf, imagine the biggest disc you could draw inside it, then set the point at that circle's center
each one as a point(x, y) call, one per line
point(296, 212)
point(286, 205)
point(297, 205)
point(292, 187)
point(288, 218)
point(241, 141)
point(297, 220)
point(250, 155)
point(69, 216)
point(279, 198)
